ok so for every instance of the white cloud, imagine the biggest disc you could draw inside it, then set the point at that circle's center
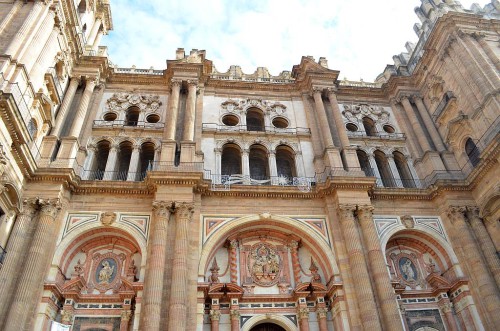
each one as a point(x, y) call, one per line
point(357, 37)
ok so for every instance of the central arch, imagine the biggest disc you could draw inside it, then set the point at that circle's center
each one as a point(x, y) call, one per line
point(281, 322)
point(267, 327)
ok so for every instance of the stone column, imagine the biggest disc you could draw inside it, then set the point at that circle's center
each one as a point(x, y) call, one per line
point(373, 165)
point(394, 170)
point(97, 40)
point(419, 132)
point(493, 227)
point(77, 125)
point(299, 164)
point(17, 249)
point(134, 164)
point(233, 261)
point(378, 269)
point(321, 316)
point(245, 162)
point(21, 34)
point(178, 295)
point(29, 281)
point(95, 30)
point(447, 311)
point(63, 110)
point(6, 225)
point(214, 319)
point(189, 117)
point(89, 162)
point(471, 100)
point(155, 267)
point(339, 121)
point(303, 317)
point(218, 165)
point(429, 124)
point(486, 48)
point(273, 168)
point(37, 72)
point(485, 285)
point(235, 319)
point(12, 12)
point(125, 319)
point(110, 169)
point(323, 119)
point(293, 246)
point(173, 109)
point(485, 242)
point(363, 287)
point(405, 127)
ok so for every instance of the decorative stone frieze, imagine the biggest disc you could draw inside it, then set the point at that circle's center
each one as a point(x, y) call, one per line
point(122, 101)
point(355, 113)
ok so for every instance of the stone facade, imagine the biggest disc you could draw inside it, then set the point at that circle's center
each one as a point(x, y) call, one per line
point(192, 199)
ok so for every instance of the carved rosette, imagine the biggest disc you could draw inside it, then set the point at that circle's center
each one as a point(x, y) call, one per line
point(50, 207)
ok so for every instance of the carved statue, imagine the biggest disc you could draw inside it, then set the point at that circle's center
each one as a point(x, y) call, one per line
point(264, 264)
point(106, 272)
point(407, 271)
point(214, 277)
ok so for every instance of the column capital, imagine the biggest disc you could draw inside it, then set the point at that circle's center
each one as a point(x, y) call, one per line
point(447, 307)
point(50, 207)
point(416, 97)
point(317, 90)
point(365, 213)
point(75, 80)
point(184, 210)
point(214, 314)
point(456, 213)
point(478, 35)
point(30, 206)
point(192, 82)
point(66, 316)
point(331, 91)
point(293, 244)
point(235, 314)
point(162, 208)
point(321, 312)
point(474, 212)
point(175, 82)
point(303, 313)
point(91, 81)
point(126, 315)
point(233, 244)
point(404, 97)
point(218, 150)
point(346, 212)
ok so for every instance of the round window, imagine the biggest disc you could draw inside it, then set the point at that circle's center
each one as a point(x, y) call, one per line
point(351, 127)
point(280, 122)
point(388, 128)
point(109, 117)
point(153, 118)
point(230, 120)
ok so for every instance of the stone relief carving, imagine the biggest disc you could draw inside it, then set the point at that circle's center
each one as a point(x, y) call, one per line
point(231, 105)
point(354, 113)
point(264, 264)
point(108, 218)
point(122, 101)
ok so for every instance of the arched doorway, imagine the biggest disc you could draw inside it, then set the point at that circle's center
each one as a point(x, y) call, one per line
point(267, 327)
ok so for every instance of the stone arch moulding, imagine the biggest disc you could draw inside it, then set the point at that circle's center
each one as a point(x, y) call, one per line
point(316, 243)
point(282, 321)
point(91, 222)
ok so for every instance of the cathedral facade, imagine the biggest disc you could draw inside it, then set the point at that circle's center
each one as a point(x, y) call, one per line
point(193, 199)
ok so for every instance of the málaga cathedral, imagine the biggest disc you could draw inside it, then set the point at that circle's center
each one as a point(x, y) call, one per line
point(189, 198)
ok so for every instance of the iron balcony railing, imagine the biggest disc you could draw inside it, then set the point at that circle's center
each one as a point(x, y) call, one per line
point(125, 123)
point(176, 167)
point(244, 128)
point(3, 252)
point(224, 182)
point(378, 135)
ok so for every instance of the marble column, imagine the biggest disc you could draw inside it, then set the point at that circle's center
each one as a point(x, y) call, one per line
point(214, 319)
point(405, 128)
point(363, 286)
point(323, 119)
point(22, 32)
point(189, 116)
point(63, 110)
point(233, 261)
point(419, 132)
point(245, 162)
point(480, 38)
point(97, 40)
point(17, 249)
point(95, 30)
point(77, 125)
point(485, 285)
point(485, 242)
point(110, 170)
point(173, 109)
point(321, 316)
point(44, 60)
point(394, 170)
point(178, 294)
point(125, 319)
point(155, 267)
point(378, 270)
point(12, 13)
point(235, 319)
point(218, 165)
point(88, 165)
point(376, 173)
point(447, 311)
point(27, 294)
point(293, 246)
point(303, 317)
point(339, 121)
point(273, 168)
point(429, 123)
point(134, 165)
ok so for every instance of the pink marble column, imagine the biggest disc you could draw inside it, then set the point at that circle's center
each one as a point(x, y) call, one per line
point(303, 317)
point(321, 315)
point(378, 269)
point(17, 249)
point(178, 295)
point(155, 267)
point(27, 294)
point(447, 310)
point(294, 252)
point(235, 319)
point(214, 319)
point(63, 110)
point(125, 320)
point(233, 261)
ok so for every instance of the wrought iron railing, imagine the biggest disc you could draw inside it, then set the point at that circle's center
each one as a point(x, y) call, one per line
point(244, 128)
point(125, 123)
point(379, 135)
point(3, 253)
point(176, 167)
point(224, 182)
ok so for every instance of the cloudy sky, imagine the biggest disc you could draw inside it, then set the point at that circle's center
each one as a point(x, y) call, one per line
point(357, 37)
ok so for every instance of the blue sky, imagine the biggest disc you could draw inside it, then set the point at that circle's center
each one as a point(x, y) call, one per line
point(357, 37)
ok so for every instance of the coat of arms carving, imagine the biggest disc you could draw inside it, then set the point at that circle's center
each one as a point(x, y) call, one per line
point(264, 264)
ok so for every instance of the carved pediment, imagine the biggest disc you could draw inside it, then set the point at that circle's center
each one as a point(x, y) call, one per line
point(437, 281)
point(308, 66)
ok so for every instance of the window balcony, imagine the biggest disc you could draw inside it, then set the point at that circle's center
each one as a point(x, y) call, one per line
point(127, 124)
point(3, 252)
point(214, 127)
point(376, 135)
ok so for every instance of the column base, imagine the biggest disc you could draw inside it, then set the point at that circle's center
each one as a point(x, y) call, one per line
point(332, 157)
point(168, 148)
point(351, 158)
point(68, 149)
point(430, 164)
point(188, 149)
point(47, 150)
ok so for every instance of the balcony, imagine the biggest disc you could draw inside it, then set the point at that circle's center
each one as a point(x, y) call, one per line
point(377, 135)
point(224, 182)
point(127, 124)
point(2, 255)
point(214, 127)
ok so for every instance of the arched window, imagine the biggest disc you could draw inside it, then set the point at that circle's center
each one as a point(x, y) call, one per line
point(132, 116)
point(285, 162)
point(123, 160)
point(99, 166)
point(369, 126)
point(403, 170)
point(146, 157)
point(384, 169)
point(259, 164)
point(231, 160)
point(472, 152)
point(255, 120)
point(364, 162)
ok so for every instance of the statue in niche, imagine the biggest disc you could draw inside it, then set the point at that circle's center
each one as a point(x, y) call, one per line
point(264, 264)
point(408, 270)
point(105, 275)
